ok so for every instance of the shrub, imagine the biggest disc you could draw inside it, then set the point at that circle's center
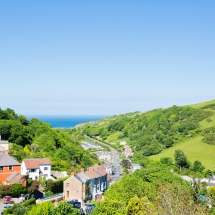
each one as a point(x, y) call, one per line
point(49, 193)
point(29, 202)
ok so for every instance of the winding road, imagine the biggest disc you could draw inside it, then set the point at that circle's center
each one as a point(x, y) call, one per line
point(115, 159)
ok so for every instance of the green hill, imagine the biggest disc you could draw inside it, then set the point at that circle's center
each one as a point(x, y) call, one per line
point(158, 133)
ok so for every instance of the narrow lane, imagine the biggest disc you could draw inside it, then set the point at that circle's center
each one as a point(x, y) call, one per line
point(115, 159)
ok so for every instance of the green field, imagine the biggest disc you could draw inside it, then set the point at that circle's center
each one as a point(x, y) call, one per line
point(205, 124)
point(113, 137)
point(194, 150)
point(199, 105)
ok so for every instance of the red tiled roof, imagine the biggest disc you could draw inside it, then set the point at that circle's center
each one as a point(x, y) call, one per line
point(102, 171)
point(91, 174)
point(34, 163)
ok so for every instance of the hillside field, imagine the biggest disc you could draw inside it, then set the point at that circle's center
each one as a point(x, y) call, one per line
point(194, 149)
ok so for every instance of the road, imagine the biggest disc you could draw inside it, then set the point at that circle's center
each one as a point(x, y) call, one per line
point(115, 160)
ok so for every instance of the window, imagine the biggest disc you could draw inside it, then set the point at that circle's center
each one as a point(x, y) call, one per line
point(32, 170)
point(45, 168)
point(67, 185)
point(67, 194)
point(10, 168)
point(1, 168)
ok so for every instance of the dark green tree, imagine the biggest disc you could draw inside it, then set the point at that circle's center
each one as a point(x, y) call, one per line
point(180, 159)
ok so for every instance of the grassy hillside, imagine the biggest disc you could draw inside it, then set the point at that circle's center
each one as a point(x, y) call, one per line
point(200, 105)
point(158, 133)
point(194, 149)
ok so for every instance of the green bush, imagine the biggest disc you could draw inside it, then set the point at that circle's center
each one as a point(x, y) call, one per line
point(49, 193)
point(7, 211)
point(29, 202)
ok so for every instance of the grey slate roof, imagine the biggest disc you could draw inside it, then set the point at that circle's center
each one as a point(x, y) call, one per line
point(98, 173)
point(6, 160)
point(81, 176)
point(14, 174)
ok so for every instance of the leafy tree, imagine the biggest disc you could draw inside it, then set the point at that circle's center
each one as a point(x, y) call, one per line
point(17, 189)
point(177, 200)
point(198, 167)
point(63, 208)
point(140, 206)
point(44, 208)
point(167, 160)
point(180, 159)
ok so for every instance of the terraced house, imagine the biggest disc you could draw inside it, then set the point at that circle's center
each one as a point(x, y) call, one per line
point(86, 185)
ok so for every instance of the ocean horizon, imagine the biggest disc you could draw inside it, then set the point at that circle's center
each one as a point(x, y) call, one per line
point(58, 121)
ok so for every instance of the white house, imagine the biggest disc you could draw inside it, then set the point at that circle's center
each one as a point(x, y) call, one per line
point(4, 145)
point(104, 155)
point(37, 167)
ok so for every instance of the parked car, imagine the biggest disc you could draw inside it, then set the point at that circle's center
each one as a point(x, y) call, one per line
point(6, 199)
point(75, 203)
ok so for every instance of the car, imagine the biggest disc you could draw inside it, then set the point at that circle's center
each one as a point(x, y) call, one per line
point(75, 203)
point(6, 199)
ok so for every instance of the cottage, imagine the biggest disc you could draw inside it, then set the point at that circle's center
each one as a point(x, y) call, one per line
point(37, 167)
point(86, 185)
point(77, 187)
point(104, 155)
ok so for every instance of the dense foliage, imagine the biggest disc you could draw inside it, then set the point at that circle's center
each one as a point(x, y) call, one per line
point(154, 190)
point(35, 139)
point(149, 133)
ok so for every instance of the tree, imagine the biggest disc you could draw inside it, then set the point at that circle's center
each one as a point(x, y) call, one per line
point(167, 161)
point(17, 189)
point(175, 199)
point(198, 167)
point(44, 208)
point(180, 159)
point(64, 208)
point(140, 206)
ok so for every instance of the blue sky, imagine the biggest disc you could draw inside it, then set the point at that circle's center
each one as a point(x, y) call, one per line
point(105, 57)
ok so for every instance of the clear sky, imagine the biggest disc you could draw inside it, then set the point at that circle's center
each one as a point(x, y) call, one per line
point(108, 57)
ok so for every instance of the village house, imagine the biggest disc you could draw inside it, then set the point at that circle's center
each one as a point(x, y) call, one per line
point(4, 145)
point(104, 155)
point(10, 170)
point(108, 168)
point(37, 167)
point(77, 187)
point(86, 184)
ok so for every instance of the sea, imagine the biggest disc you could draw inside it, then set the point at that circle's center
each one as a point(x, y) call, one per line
point(66, 121)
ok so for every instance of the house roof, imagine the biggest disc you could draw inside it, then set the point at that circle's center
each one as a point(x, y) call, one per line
point(102, 171)
point(6, 160)
point(35, 163)
point(92, 174)
point(2, 149)
point(13, 175)
point(82, 177)
point(4, 142)
point(103, 153)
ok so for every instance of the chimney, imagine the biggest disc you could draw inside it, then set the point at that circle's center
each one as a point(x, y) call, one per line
point(82, 169)
point(72, 173)
point(90, 169)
